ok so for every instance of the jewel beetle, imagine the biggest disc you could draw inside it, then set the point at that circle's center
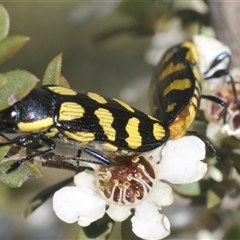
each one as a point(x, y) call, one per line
point(81, 120)
point(175, 88)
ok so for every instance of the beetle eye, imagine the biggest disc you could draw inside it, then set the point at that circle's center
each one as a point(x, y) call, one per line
point(13, 115)
point(8, 118)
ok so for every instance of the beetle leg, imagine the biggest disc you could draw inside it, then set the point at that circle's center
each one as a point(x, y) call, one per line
point(218, 101)
point(215, 99)
point(223, 72)
point(41, 138)
point(21, 140)
point(79, 153)
point(100, 159)
point(221, 57)
point(97, 155)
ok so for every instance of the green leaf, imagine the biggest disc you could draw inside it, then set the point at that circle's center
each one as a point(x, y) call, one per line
point(44, 195)
point(99, 230)
point(16, 178)
point(215, 195)
point(3, 81)
point(4, 22)
point(20, 83)
point(63, 82)
point(53, 71)
point(212, 199)
point(127, 232)
point(3, 151)
point(53, 74)
point(190, 190)
point(10, 45)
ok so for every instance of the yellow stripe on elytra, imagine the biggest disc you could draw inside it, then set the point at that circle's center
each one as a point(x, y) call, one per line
point(70, 111)
point(134, 139)
point(158, 131)
point(62, 90)
point(178, 84)
point(169, 69)
point(105, 120)
point(96, 97)
point(169, 55)
point(52, 132)
point(197, 74)
point(125, 105)
point(152, 118)
point(194, 101)
point(84, 137)
point(192, 54)
point(109, 147)
point(170, 107)
point(36, 126)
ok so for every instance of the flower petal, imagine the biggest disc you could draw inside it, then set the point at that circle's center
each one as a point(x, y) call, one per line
point(80, 204)
point(85, 178)
point(149, 223)
point(215, 133)
point(118, 213)
point(229, 128)
point(180, 162)
point(161, 195)
point(208, 49)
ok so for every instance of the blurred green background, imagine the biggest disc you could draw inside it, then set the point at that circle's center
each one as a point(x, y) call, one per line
point(107, 66)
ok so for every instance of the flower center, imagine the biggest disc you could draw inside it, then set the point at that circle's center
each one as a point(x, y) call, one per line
point(127, 181)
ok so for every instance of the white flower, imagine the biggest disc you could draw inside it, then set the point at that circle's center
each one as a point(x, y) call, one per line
point(221, 126)
point(136, 184)
point(209, 48)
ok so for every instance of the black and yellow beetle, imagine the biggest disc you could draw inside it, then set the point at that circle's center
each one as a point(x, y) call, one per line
point(175, 88)
point(83, 120)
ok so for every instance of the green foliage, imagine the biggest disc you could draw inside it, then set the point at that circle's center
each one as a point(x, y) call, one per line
point(4, 22)
point(99, 230)
point(53, 74)
point(233, 232)
point(14, 86)
point(10, 45)
point(126, 229)
point(214, 197)
point(188, 190)
point(18, 83)
point(17, 178)
point(44, 195)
